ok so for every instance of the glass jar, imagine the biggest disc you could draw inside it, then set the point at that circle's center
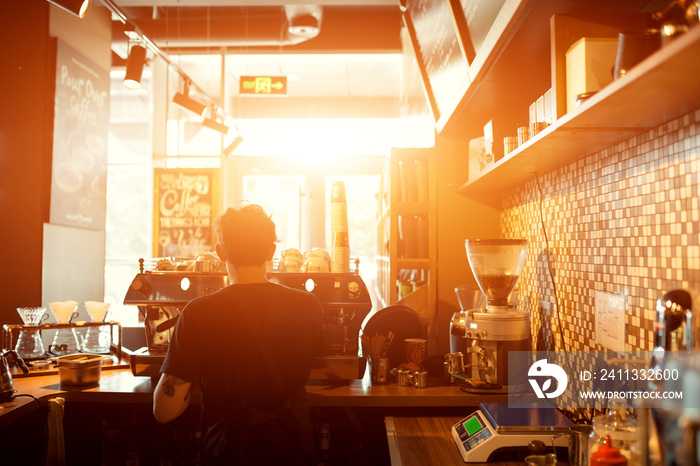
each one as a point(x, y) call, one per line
point(618, 425)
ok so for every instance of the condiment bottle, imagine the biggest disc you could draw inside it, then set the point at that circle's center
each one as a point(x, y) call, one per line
point(607, 455)
point(616, 424)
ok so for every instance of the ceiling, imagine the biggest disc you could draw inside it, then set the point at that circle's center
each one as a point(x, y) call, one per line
point(363, 37)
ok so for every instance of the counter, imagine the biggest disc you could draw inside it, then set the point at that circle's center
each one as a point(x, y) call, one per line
point(118, 385)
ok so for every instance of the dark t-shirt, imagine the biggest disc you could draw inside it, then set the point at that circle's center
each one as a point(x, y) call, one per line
point(213, 347)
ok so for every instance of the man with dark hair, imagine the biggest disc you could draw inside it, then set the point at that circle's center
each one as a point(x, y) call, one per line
point(249, 347)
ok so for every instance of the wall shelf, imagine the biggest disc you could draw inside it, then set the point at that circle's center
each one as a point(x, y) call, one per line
point(663, 86)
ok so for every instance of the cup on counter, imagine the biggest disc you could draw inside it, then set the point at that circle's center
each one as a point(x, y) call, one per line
point(420, 379)
point(379, 369)
point(416, 349)
point(403, 378)
point(578, 444)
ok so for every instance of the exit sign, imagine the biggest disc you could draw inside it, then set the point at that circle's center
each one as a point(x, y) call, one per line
point(264, 85)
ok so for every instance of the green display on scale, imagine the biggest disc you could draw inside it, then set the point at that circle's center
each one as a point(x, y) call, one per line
point(473, 425)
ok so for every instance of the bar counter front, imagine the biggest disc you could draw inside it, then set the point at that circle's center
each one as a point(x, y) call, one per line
point(111, 422)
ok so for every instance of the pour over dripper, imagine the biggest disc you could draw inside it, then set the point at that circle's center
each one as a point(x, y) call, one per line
point(97, 339)
point(29, 344)
point(496, 264)
point(66, 340)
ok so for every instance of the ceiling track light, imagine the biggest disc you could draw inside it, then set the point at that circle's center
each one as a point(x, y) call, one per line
point(78, 8)
point(214, 123)
point(134, 66)
point(233, 146)
point(184, 100)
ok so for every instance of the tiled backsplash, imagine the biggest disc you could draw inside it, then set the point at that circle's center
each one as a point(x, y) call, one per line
point(623, 220)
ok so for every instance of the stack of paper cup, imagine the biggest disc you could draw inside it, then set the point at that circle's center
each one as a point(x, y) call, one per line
point(340, 257)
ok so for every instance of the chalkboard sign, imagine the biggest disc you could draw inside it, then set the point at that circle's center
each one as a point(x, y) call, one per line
point(439, 50)
point(480, 16)
point(184, 208)
point(80, 133)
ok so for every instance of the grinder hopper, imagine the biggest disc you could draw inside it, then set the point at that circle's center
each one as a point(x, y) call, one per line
point(496, 264)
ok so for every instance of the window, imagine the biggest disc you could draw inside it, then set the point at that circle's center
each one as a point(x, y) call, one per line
point(129, 224)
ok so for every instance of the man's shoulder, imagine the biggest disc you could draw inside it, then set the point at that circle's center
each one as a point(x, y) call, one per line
point(257, 292)
point(295, 294)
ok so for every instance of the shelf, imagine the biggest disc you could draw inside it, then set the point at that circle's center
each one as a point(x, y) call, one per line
point(662, 87)
point(412, 263)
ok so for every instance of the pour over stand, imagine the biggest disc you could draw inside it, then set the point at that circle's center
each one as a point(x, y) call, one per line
point(115, 348)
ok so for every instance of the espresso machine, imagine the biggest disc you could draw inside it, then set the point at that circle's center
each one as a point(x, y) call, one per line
point(493, 331)
point(162, 294)
point(677, 348)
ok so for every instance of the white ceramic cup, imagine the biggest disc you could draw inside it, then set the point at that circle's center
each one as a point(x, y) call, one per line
point(291, 260)
point(315, 264)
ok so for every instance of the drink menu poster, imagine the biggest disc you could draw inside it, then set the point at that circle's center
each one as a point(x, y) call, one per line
point(184, 208)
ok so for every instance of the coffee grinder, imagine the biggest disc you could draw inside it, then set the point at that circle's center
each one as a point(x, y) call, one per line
point(499, 328)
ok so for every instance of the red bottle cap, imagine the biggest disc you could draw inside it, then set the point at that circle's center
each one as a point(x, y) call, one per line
point(607, 455)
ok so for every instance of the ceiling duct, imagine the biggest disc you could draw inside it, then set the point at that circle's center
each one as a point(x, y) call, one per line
point(202, 27)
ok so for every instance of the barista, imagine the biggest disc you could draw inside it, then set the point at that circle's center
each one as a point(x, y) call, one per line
point(249, 346)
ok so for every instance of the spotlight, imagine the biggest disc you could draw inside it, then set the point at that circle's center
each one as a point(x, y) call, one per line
point(134, 67)
point(77, 7)
point(233, 146)
point(213, 122)
point(215, 125)
point(184, 100)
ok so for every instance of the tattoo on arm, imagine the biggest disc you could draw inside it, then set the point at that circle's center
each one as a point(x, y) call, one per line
point(169, 384)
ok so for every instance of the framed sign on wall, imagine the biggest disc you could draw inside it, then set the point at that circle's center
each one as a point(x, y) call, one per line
point(183, 211)
point(80, 133)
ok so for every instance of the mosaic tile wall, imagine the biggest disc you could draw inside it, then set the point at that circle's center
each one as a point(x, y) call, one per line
point(623, 220)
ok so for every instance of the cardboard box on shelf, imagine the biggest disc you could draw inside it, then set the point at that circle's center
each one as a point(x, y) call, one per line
point(589, 67)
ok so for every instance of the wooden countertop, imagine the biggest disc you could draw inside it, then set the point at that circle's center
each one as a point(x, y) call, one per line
point(119, 385)
point(362, 393)
point(417, 441)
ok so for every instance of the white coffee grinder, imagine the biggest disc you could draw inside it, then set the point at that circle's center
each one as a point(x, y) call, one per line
point(493, 332)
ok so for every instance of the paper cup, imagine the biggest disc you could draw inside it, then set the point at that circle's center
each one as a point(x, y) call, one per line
point(416, 349)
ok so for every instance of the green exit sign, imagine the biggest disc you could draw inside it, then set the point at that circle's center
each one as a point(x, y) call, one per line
point(263, 85)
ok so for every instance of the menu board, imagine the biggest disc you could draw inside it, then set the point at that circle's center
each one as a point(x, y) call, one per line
point(439, 51)
point(184, 207)
point(80, 132)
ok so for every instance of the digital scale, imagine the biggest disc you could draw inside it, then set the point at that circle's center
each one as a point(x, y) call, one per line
point(495, 428)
